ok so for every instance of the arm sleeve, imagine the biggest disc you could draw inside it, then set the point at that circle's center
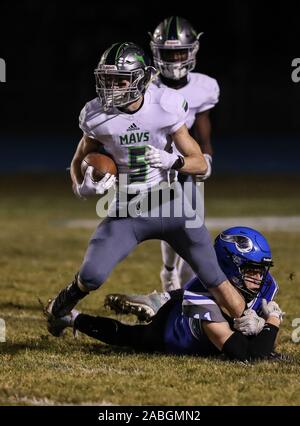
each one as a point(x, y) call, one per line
point(241, 348)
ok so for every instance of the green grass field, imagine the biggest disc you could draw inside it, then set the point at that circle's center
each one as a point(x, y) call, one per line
point(39, 256)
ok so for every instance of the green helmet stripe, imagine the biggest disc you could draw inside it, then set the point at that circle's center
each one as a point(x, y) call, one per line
point(168, 27)
point(139, 58)
point(110, 54)
point(118, 51)
point(172, 29)
point(177, 26)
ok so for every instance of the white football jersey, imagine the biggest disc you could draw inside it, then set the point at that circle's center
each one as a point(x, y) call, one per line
point(125, 135)
point(201, 92)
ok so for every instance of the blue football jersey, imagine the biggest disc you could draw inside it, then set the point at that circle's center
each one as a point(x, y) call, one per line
point(183, 333)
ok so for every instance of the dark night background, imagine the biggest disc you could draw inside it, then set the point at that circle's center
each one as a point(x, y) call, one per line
point(51, 49)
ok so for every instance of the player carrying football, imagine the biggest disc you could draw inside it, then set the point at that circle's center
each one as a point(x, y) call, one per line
point(127, 105)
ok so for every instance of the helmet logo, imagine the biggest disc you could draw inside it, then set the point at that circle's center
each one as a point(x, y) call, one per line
point(108, 67)
point(171, 43)
point(139, 58)
point(242, 243)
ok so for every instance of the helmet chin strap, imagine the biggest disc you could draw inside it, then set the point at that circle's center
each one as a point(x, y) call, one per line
point(126, 109)
point(248, 294)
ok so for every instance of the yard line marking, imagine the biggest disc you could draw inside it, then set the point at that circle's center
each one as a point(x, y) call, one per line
point(45, 401)
point(266, 223)
point(22, 316)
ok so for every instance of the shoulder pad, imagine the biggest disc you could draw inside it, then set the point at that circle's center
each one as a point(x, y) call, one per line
point(271, 288)
point(268, 292)
point(205, 81)
point(156, 82)
point(203, 91)
point(90, 110)
point(173, 102)
point(88, 115)
point(83, 120)
point(201, 306)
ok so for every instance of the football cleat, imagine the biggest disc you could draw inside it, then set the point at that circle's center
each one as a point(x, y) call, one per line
point(57, 325)
point(144, 307)
point(280, 357)
point(67, 299)
point(169, 279)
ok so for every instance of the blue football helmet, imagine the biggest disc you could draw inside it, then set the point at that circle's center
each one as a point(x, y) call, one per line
point(240, 250)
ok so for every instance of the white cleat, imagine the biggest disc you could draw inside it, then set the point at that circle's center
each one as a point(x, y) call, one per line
point(144, 306)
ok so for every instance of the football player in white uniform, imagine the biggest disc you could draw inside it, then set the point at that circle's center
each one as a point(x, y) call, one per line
point(174, 45)
point(135, 123)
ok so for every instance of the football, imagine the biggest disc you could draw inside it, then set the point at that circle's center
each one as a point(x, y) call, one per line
point(102, 164)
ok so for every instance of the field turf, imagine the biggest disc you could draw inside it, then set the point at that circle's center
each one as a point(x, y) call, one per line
point(39, 256)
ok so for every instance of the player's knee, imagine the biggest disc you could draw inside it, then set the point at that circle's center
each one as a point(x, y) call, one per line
point(91, 276)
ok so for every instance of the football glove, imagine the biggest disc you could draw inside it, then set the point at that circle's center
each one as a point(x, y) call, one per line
point(249, 324)
point(271, 309)
point(89, 187)
point(159, 158)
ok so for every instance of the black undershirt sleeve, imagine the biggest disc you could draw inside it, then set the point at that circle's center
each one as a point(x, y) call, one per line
point(242, 348)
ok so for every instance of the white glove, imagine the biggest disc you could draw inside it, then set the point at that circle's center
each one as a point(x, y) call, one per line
point(90, 187)
point(159, 159)
point(271, 309)
point(249, 324)
point(201, 178)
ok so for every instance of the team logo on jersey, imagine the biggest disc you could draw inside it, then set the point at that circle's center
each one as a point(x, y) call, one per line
point(132, 138)
point(185, 106)
point(133, 127)
point(207, 316)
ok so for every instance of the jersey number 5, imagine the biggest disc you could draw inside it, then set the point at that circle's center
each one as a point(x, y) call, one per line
point(137, 164)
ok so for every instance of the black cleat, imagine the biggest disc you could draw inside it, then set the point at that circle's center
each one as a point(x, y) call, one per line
point(67, 299)
point(57, 325)
point(277, 356)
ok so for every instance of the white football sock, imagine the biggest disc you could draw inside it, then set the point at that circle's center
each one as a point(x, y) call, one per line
point(169, 256)
point(185, 272)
